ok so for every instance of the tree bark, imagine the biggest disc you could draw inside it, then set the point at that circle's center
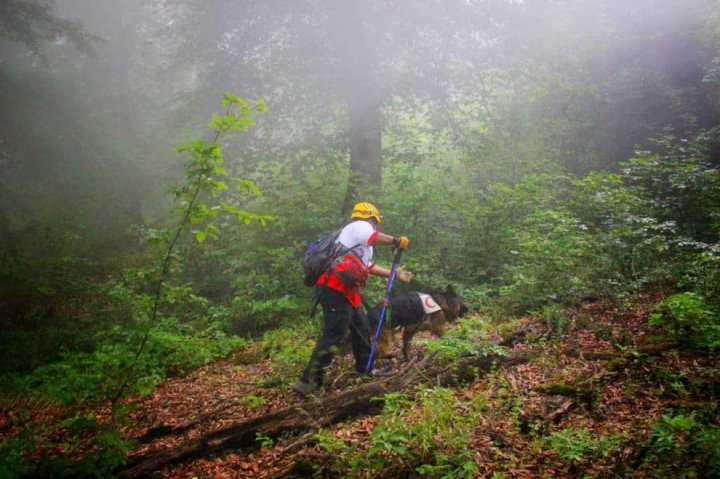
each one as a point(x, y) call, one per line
point(357, 84)
point(365, 175)
point(319, 412)
point(8, 240)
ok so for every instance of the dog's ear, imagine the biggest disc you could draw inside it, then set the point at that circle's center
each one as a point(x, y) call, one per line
point(450, 290)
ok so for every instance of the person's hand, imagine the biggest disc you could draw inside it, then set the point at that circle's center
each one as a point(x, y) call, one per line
point(404, 274)
point(402, 242)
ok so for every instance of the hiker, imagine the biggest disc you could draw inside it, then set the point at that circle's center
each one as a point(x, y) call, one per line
point(338, 292)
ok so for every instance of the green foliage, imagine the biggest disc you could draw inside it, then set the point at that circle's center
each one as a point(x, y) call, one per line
point(431, 436)
point(105, 451)
point(554, 261)
point(252, 400)
point(468, 337)
point(428, 436)
point(576, 445)
point(152, 334)
point(680, 444)
point(700, 273)
point(48, 306)
point(91, 378)
point(555, 318)
point(289, 350)
point(263, 440)
point(671, 434)
point(681, 183)
point(206, 176)
point(14, 461)
point(556, 240)
point(89, 448)
point(689, 319)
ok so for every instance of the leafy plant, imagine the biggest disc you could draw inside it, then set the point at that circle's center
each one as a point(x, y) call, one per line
point(206, 178)
point(429, 436)
point(554, 262)
point(681, 443)
point(263, 440)
point(671, 434)
point(467, 338)
point(555, 318)
point(148, 340)
point(426, 435)
point(575, 445)
point(289, 350)
point(689, 319)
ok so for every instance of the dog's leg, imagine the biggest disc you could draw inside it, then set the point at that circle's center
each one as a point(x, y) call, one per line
point(408, 334)
point(384, 344)
point(438, 324)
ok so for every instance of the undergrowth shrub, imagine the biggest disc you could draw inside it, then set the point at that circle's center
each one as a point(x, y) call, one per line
point(689, 320)
point(682, 446)
point(427, 436)
point(289, 350)
point(655, 221)
point(555, 318)
point(93, 377)
point(554, 261)
point(468, 337)
point(577, 445)
point(701, 270)
point(48, 304)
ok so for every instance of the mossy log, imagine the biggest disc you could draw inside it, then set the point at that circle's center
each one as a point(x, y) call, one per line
point(648, 349)
point(583, 393)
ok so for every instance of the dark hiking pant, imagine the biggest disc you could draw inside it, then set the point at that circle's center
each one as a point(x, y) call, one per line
point(338, 316)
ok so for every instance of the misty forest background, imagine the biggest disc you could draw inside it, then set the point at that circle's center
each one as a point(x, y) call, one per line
point(164, 164)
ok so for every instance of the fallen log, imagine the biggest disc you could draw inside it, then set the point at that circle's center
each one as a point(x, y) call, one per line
point(319, 412)
point(648, 349)
point(218, 407)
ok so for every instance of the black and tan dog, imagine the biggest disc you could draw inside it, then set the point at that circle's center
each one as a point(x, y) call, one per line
point(413, 312)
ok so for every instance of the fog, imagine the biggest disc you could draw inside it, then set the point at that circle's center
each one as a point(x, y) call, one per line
point(95, 94)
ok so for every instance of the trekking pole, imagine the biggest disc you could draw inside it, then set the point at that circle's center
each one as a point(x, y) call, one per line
point(386, 302)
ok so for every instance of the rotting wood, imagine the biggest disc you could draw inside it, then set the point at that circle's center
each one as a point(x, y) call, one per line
point(218, 407)
point(650, 350)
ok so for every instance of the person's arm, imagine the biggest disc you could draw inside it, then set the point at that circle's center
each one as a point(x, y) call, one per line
point(402, 273)
point(380, 271)
point(385, 239)
point(401, 242)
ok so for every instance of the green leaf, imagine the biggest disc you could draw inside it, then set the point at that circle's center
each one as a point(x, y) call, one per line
point(247, 185)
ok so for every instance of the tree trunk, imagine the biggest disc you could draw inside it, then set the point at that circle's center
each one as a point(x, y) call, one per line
point(356, 83)
point(7, 237)
point(365, 176)
point(8, 240)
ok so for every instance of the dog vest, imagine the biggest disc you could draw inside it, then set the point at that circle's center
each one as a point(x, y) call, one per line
point(429, 304)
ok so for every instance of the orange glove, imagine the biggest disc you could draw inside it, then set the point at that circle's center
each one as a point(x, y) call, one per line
point(402, 242)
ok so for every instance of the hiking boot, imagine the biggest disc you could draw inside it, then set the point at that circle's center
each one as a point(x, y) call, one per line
point(302, 388)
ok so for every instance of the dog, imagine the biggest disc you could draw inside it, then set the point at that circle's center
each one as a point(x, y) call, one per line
point(416, 311)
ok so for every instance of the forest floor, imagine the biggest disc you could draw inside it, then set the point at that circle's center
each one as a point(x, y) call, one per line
point(585, 381)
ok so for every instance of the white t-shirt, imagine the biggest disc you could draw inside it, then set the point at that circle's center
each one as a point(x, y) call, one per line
point(359, 233)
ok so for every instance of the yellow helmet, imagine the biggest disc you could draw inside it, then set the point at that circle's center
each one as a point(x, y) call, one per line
point(366, 210)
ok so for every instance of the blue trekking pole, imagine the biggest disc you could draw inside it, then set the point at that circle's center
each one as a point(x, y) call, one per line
point(386, 302)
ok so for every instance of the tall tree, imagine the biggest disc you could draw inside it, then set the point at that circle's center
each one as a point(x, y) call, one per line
point(31, 24)
point(311, 56)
